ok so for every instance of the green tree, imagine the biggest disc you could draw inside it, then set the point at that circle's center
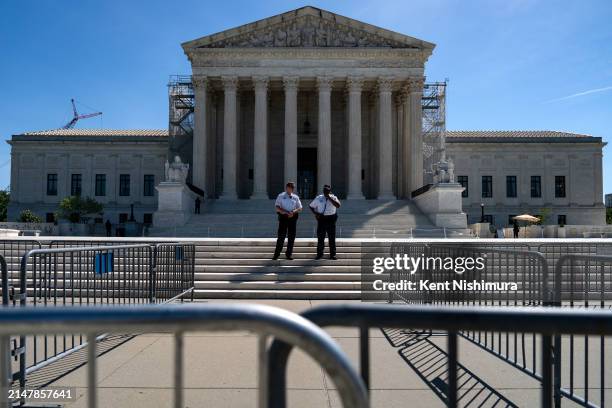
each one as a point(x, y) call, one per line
point(608, 215)
point(4, 201)
point(29, 216)
point(544, 216)
point(77, 209)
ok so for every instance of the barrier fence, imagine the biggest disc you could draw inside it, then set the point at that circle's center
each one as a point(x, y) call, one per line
point(579, 279)
point(107, 275)
point(546, 322)
point(265, 321)
point(174, 272)
point(572, 275)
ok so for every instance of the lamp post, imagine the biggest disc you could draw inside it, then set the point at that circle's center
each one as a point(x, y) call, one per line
point(482, 219)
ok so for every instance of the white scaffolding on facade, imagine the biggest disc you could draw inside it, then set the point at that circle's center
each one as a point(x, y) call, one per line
point(434, 129)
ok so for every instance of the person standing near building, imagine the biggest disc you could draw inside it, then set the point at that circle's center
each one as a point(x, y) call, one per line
point(288, 207)
point(516, 229)
point(198, 203)
point(109, 228)
point(324, 207)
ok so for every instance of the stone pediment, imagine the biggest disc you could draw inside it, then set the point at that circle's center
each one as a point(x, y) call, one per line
point(307, 27)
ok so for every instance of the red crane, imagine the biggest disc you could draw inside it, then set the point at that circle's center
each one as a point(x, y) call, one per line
point(76, 116)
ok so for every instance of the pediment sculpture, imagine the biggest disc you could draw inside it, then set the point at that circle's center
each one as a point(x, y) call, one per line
point(307, 31)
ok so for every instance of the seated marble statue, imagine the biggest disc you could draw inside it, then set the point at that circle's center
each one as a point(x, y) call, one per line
point(176, 171)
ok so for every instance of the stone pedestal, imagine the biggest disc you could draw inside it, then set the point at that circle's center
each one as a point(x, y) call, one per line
point(442, 205)
point(176, 203)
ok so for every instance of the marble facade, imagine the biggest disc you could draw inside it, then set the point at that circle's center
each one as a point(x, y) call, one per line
point(300, 96)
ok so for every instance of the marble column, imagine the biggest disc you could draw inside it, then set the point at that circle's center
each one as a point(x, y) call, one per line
point(324, 137)
point(230, 140)
point(406, 150)
point(400, 162)
point(385, 137)
point(291, 90)
point(354, 85)
point(415, 94)
point(200, 136)
point(260, 138)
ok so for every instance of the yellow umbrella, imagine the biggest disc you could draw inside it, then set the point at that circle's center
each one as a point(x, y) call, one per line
point(526, 218)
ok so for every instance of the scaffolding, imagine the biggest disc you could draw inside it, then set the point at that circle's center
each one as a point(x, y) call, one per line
point(181, 102)
point(434, 129)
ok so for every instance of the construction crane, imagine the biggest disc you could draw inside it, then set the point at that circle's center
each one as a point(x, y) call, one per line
point(76, 116)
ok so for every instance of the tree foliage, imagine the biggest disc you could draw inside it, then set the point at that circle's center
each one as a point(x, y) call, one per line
point(29, 216)
point(77, 209)
point(4, 201)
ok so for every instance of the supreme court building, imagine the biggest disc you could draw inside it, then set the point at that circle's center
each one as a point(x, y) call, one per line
point(313, 97)
point(301, 96)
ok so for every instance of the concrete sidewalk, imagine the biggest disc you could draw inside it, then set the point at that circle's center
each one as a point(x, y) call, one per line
point(407, 370)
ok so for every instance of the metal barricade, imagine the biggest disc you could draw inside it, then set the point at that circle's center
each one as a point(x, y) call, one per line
point(265, 321)
point(582, 281)
point(12, 250)
point(528, 269)
point(553, 251)
point(546, 322)
point(174, 272)
point(108, 275)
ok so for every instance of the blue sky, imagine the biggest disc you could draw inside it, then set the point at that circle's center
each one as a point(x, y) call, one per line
point(511, 64)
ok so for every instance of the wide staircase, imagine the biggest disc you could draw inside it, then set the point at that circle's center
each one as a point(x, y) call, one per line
point(244, 269)
point(357, 219)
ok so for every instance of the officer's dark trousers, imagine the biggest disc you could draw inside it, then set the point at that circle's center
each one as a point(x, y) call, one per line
point(326, 224)
point(286, 228)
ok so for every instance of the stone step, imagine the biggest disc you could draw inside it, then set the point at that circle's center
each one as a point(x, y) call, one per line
point(205, 256)
point(256, 218)
point(284, 276)
point(276, 294)
point(279, 269)
point(280, 261)
point(299, 243)
point(278, 285)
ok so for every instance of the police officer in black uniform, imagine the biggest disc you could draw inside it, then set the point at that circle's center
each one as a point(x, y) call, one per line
point(324, 208)
point(288, 207)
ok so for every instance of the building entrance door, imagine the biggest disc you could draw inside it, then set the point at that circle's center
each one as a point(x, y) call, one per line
point(307, 172)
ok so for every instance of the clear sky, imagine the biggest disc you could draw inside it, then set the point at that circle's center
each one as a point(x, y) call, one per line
point(511, 64)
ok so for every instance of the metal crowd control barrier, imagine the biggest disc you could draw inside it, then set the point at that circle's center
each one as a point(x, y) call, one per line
point(174, 272)
point(108, 275)
point(12, 250)
point(527, 268)
point(581, 279)
point(265, 321)
point(547, 322)
point(585, 282)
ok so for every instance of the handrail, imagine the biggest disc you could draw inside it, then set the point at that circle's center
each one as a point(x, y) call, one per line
point(263, 320)
point(546, 321)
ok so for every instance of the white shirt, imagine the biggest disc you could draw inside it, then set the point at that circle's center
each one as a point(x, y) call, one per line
point(324, 206)
point(288, 202)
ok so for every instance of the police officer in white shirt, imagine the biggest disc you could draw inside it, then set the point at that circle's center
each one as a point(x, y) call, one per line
point(288, 207)
point(324, 208)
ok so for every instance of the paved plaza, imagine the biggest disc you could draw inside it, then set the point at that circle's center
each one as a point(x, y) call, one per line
point(407, 370)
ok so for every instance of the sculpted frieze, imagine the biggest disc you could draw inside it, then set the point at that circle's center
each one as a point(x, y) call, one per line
point(307, 31)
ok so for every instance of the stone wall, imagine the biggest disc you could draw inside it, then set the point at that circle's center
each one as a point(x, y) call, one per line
point(580, 163)
point(32, 161)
